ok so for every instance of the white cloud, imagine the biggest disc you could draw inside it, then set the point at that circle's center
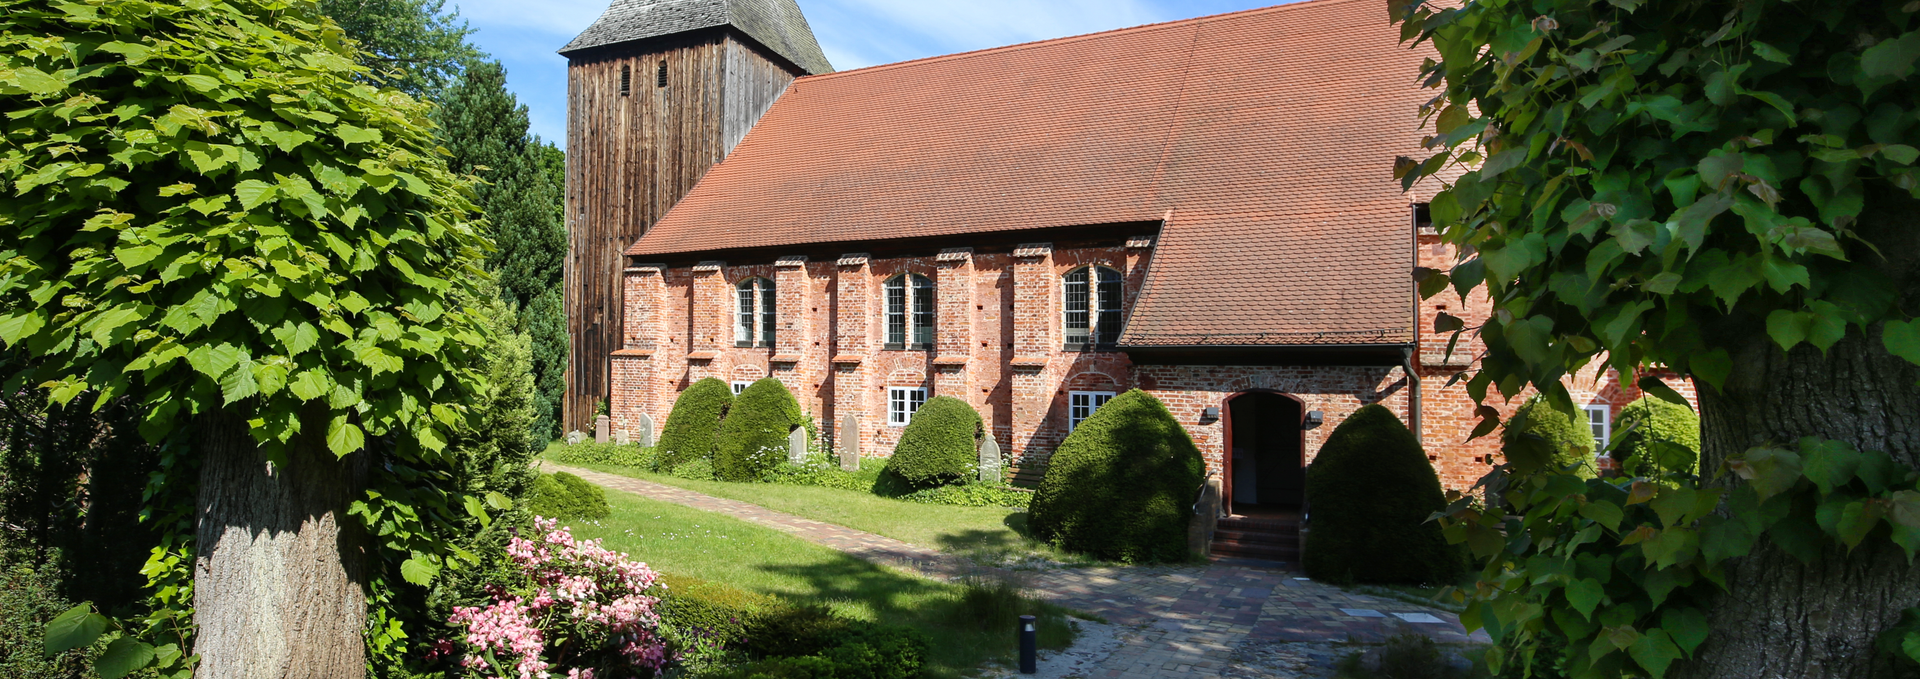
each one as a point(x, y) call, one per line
point(567, 17)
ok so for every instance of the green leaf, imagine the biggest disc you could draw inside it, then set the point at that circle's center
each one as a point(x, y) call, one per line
point(1603, 512)
point(238, 383)
point(76, 628)
point(1788, 328)
point(136, 255)
point(253, 193)
point(308, 385)
point(344, 437)
point(1653, 386)
point(135, 53)
point(1585, 595)
point(1654, 651)
point(1856, 520)
point(1830, 464)
point(124, 656)
point(498, 501)
point(24, 324)
point(214, 360)
point(357, 135)
point(419, 571)
point(1891, 58)
point(1686, 626)
point(1770, 53)
point(1901, 337)
point(1721, 539)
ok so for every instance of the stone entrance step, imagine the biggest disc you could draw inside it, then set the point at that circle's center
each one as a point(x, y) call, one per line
point(1257, 538)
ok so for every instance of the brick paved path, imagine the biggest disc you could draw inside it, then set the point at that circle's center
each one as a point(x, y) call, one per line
point(1185, 621)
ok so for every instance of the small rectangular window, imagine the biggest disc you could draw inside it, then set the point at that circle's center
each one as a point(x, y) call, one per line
point(626, 80)
point(1600, 421)
point(740, 386)
point(902, 403)
point(663, 75)
point(1081, 404)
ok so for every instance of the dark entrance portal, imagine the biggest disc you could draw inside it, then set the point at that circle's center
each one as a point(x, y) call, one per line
point(1266, 473)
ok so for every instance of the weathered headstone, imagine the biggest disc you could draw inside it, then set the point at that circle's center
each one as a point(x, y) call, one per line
point(602, 429)
point(643, 431)
point(797, 445)
point(620, 437)
point(849, 439)
point(576, 437)
point(990, 459)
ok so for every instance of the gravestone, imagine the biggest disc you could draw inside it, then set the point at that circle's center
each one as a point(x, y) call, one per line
point(797, 445)
point(849, 439)
point(620, 437)
point(643, 431)
point(602, 429)
point(576, 437)
point(990, 460)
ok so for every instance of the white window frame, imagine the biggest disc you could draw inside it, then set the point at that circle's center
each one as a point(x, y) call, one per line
point(1605, 434)
point(740, 386)
point(902, 403)
point(1082, 404)
point(916, 291)
point(754, 312)
point(1097, 303)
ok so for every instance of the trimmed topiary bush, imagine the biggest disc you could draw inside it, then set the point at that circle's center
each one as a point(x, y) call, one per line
point(1122, 486)
point(940, 447)
point(1653, 436)
point(688, 434)
point(567, 497)
point(753, 438)
point(1370, 491)
point(1572, 441)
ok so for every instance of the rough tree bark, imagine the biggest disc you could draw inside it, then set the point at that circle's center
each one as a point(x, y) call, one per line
point(1779, 617)
point(278, 583)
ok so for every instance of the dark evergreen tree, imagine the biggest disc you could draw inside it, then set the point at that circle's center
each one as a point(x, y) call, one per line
point(485, 129)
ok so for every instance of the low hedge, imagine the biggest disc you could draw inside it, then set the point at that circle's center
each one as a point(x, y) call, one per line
point(753, 437)
point(614, 454)
point(1371, 490)
point(1122, 486)
point(567, 497)
point(688, 434)
point(1572, 442)
point(940, 446)
point(1656, 436)
point(811, 642)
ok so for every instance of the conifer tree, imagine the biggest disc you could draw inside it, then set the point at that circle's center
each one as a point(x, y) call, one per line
point(485, 128)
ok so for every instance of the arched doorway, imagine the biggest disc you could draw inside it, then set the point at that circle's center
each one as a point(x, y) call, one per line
point(1266, 460)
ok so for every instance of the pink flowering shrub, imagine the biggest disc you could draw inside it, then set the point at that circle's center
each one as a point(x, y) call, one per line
point(578, 607)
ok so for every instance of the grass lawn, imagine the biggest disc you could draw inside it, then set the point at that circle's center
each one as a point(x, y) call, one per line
point(687, 542)
point(988, 534)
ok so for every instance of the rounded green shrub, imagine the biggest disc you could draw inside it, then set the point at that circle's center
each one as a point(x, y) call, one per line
point(1122, 486)
point(688, 434)
point(567, 497)
point(753, 437)
point(1654, 436)
point(1572, 442)
point(1370, 491)
point(940, 446)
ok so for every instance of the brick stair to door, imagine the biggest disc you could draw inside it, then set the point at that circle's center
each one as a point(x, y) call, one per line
point(1263, 539)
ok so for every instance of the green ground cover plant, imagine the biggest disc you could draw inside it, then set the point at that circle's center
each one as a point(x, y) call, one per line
point(940, 446)
point(753, 437)
point(1123, 484)
point(688, 433)
point(613, 454)
point(1372, 491)
point(768, 565)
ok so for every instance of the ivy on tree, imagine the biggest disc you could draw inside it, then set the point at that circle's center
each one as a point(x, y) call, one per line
point(1725, 188)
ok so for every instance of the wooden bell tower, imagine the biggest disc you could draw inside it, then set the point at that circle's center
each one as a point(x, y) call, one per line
point(658, 91)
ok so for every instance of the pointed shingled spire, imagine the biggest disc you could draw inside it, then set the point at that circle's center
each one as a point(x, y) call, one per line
point(776, 24)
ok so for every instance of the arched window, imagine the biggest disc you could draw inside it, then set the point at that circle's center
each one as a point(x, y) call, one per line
point(1093, 297)
point(755, 313)
point(909, 312)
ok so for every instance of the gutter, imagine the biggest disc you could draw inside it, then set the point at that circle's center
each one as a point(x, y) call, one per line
point(1413, 402)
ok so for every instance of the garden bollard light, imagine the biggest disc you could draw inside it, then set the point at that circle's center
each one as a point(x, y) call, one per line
point(1028, 664)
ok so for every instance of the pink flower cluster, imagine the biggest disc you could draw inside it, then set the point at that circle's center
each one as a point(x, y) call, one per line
point(577, 591)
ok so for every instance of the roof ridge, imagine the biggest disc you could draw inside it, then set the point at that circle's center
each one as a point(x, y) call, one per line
point(1162, 25)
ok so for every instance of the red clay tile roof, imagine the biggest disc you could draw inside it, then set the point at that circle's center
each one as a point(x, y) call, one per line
point(1269, 134)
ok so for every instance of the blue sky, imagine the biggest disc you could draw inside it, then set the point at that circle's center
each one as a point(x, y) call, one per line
point(854, 33)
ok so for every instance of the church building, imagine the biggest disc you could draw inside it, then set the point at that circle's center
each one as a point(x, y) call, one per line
point(1202, 209)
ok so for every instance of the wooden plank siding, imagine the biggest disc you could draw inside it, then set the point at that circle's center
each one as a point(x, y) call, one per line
point(631, 157)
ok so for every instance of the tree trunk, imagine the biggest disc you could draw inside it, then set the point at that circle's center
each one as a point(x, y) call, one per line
point(278, 583)
point(1780, 617)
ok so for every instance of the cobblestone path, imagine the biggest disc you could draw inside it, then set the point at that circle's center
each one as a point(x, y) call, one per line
point(1182, 621)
